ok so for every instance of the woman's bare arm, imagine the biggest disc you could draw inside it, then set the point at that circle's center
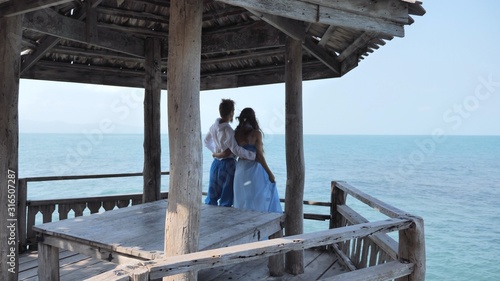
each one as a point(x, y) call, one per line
point(260, 154)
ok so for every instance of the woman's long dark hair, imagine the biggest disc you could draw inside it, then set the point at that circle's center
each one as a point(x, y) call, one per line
point(247, 121)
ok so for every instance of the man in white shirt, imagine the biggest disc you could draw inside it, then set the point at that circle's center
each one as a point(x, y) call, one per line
point(219, 138)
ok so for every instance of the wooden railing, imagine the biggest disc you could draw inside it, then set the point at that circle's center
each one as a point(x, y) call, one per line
point(28, 209)
point(364, 247)
point(378, 248)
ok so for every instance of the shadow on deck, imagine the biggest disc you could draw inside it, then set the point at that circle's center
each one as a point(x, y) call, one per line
point(319, 264)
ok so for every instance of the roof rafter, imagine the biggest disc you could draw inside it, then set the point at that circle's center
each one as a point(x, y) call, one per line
point(49, 42)
point(358, 43)
point(296, 30)
point(18, 7)
point(49, 22)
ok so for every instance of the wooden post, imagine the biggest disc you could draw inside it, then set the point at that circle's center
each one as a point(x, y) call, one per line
point(184, 128)
point(10, 63)
point(152, 142)
point(48, 262)
point(21, 213)
point(276, 262)
point(412, 249)
point(338, 198)
point(294, 152)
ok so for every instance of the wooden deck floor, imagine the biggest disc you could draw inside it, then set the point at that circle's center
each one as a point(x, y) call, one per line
point(73, 267)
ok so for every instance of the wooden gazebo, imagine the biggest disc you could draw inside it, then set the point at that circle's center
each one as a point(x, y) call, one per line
point(191, 45)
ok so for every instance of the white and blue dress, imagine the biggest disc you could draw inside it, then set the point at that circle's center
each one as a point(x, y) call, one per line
point(252, 188)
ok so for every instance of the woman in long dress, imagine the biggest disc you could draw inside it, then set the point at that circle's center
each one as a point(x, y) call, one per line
point(254, 183)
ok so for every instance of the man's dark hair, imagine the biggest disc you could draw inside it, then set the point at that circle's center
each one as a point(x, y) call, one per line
point(226, 107)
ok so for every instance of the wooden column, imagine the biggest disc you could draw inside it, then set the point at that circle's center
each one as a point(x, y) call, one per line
point(412, 249)
point(338, 198)
point(152, 139)
point(10, 62)
point(294, 152)
point(48, 262)
point(184, 128)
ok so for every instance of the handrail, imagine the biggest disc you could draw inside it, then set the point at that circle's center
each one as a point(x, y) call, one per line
point(373, 202)
point(382, 248)
point(81, 177)
point(167, 266)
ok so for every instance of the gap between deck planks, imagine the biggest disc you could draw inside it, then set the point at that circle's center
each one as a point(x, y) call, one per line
point(73, 266)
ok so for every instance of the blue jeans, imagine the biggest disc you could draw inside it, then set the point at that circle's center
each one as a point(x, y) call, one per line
point(220, 188)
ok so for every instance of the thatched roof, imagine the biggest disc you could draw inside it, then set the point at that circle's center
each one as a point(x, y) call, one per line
point(242, 42)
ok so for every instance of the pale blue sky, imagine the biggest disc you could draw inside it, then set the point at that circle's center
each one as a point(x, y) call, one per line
point(444, 75)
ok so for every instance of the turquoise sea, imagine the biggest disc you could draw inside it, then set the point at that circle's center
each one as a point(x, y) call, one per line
point(452, 182)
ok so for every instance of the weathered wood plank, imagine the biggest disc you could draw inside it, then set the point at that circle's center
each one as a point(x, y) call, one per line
point(30, 263)
point(382, 272)
point(318, 266)
point(32, 271)
point(87, 267)
point(376, 204)
point(308, 12)
point(97, 251)
point(80, 177)
point(392, 10)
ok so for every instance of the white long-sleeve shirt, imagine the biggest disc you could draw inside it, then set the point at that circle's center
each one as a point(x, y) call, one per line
point(220, 137)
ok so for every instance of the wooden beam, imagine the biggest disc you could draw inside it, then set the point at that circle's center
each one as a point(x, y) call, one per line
point(308, 12)
point(292, 28)
point(48, 42)
point(51, 23)
point(244, 39)
point(184, 130)
point(152, 138)
point(391, 10)
point(326, 36)
point(19, 7)
point(271, 74)
point(66, 72)
point(361, 41)
point(90, 22)
point(10, 47)
point(295, 170)
point(329, 59)
point(296, 30)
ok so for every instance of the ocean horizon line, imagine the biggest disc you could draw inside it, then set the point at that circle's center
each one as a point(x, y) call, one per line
point(305, 134)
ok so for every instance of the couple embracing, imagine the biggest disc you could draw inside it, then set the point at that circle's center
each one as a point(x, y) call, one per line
point(246, 183)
